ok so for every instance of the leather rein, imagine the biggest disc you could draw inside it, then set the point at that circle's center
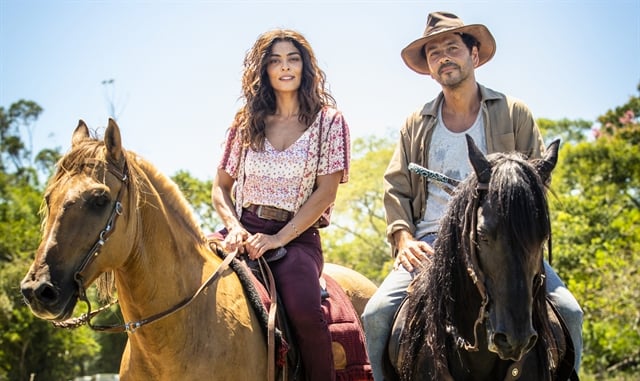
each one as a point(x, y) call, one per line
point(92, 254)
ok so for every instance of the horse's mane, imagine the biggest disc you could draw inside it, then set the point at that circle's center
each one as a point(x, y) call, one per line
point(144, 181)
point(520, 195)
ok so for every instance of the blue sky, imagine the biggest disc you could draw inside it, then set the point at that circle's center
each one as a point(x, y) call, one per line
point(176, 65)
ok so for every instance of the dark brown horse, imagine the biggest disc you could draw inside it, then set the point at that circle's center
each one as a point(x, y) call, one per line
point(478, 311)
point(188, 317)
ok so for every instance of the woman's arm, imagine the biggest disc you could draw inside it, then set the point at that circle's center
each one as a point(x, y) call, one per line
point(221, 192)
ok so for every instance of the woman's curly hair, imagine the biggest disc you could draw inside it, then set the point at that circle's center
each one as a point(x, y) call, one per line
point(259, 96)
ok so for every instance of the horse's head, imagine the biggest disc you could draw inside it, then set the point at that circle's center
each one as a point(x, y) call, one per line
point(83, 203)
point(511, 229)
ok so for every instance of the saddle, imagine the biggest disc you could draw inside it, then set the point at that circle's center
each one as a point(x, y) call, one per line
point(564, 355)
point(350, 358)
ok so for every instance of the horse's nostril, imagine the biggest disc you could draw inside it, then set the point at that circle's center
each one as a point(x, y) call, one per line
point(501, 340)
point(27, 295)
point(46, 294)
point(532, 342)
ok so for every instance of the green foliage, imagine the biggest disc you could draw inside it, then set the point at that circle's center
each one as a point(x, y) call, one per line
point(198, 193)
point(569, 131)
point(623, 121)
point(597, 237)
point(356, 236)
point(15, 153)
point(28, 345)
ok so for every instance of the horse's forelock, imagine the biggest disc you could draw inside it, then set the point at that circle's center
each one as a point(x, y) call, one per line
point(518, 194)
point(70, 164)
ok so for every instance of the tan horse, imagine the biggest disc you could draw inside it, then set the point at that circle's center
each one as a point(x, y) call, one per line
point(110, 212)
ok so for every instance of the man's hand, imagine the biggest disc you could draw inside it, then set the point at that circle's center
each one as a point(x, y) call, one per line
point(412, 253)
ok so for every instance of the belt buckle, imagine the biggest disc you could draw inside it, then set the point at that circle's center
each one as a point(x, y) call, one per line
point(267, 213)
point(259, 212)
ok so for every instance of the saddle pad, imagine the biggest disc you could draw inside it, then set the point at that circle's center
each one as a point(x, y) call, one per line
point(348, 343)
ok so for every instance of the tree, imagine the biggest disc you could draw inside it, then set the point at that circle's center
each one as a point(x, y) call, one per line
point(569, 131)
point(596, 228)
point(357, 234)
point(198, 193)
point(27, 344)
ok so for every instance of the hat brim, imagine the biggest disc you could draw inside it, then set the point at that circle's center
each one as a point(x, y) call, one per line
point(413, 55)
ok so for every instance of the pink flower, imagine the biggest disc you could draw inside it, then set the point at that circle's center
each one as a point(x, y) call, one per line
point(627, 118)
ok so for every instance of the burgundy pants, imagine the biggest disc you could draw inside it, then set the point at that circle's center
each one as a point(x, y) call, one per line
point(296, 277)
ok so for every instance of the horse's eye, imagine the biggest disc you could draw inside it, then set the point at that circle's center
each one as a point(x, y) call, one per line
point(99, 201)
point(483, 236)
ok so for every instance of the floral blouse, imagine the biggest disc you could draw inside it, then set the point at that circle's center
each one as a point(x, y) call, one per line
point(274, 177)
point(327, 152)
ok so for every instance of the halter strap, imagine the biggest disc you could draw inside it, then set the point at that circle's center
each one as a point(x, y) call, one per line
point(131, 327)
point(93, 253)
point(111, 221)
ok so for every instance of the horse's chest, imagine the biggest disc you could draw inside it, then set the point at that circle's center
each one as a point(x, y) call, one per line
point(486, 366)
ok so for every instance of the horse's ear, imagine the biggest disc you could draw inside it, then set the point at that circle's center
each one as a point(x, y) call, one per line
point(80, 133)
point(479, 162)
point(548, 162)
point(113, 142)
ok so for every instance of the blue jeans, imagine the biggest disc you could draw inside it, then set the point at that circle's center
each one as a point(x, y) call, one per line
point(568, 308)
point(380, 310)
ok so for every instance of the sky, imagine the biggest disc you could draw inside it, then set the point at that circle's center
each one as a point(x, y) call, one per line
point(169, 71)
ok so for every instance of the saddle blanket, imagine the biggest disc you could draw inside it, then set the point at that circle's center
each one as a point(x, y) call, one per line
point(350, 358)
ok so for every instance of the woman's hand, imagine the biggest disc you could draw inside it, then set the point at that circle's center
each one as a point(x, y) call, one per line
point(258, 244)
point(235, 239)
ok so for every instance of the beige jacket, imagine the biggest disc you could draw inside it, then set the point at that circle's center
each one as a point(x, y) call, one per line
point(509, 126)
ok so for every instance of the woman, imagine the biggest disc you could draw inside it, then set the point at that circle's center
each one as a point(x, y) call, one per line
point(287, 151)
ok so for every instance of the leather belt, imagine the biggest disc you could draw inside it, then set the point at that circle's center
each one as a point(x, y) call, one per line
point(270, 212)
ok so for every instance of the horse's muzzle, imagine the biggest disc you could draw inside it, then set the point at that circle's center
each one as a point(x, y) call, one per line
point(512, 347)
point(45, 300)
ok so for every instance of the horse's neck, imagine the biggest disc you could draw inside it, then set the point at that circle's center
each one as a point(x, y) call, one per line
point(161, 274)
point(170, 257)
point(466, 306)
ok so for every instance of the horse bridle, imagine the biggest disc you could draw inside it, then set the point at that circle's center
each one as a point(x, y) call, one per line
point(473, 269)
point(129, 327)
point(477, 277)
point(93, 253)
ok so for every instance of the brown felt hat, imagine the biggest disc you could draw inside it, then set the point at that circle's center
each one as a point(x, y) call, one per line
point(439, 23)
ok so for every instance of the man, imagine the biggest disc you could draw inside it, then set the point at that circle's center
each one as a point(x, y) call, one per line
point(433, 137)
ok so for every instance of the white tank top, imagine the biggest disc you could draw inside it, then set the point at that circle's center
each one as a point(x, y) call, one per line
point(448, 155)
